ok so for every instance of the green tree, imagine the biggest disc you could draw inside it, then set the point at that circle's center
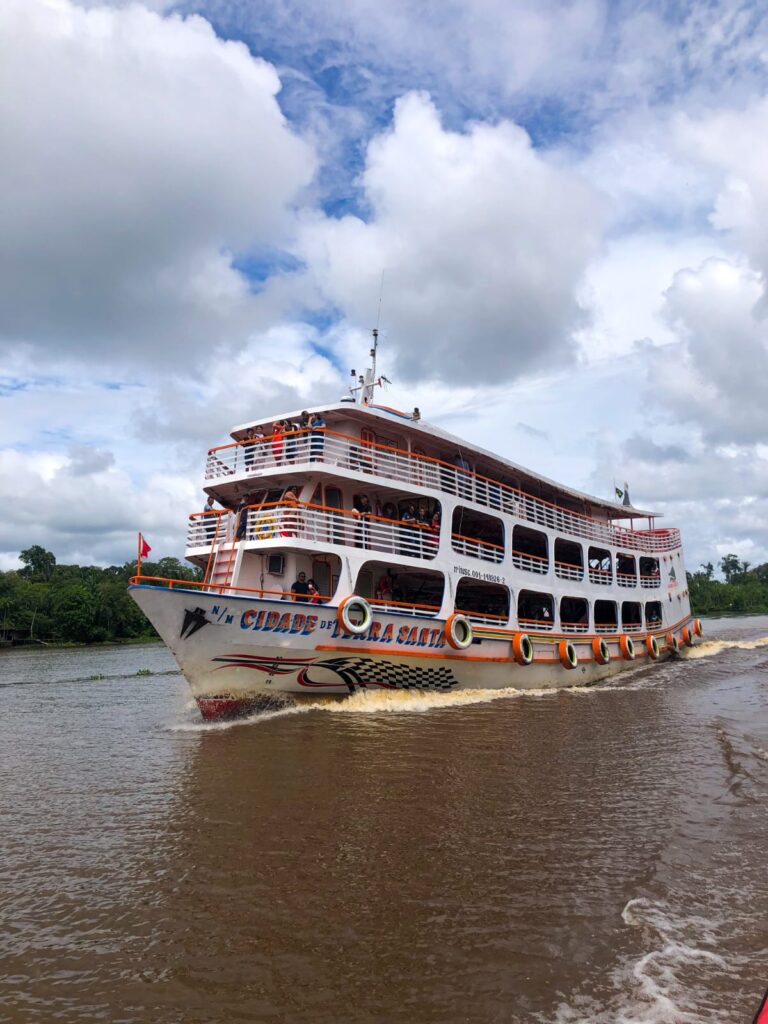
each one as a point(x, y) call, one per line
point(74, 609)
point(38, 563)
point(731, 567)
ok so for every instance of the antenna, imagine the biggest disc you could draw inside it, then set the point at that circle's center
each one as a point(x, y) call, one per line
point(368, 382)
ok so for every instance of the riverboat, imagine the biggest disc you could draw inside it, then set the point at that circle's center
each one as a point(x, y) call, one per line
point(359, 547)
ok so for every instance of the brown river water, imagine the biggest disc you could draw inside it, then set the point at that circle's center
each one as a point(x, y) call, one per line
point(579, 856)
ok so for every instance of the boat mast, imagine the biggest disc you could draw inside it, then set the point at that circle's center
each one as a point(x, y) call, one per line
point(367, 383)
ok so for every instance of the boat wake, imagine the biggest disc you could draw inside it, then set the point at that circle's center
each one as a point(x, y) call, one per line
point(669, 981)
point(707, 648)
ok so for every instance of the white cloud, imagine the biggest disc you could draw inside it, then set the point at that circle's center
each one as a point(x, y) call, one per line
point(139, 153)
point(717, 376)
point(481, 241)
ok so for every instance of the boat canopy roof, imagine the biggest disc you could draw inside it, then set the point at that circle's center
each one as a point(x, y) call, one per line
point(423, 430)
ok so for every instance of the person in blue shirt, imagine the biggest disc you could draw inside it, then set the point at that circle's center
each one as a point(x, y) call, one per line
point(317, 438)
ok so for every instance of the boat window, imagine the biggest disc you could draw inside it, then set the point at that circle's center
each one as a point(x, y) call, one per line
point(333, 497)
point(535, 610)
point(477, 534)
point(653, 614)
point(649, 572)
point(626, 571)
point(483, 602)
point(569, 559)
point(530, 549)
point(393, 587)
point(574, 614)
point(606, 617)
point(631, 616)
point(599, 566)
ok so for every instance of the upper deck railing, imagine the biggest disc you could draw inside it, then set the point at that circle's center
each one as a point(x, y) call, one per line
point(329, 448)
point(319, 524)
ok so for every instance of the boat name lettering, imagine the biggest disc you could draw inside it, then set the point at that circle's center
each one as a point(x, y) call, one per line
point(278, 622)
point(477, 574)
point(406, 636)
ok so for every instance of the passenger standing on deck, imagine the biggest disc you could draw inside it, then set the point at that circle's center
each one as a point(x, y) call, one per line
point(434, 532)
point(254, 449)
point(361, 509)
point(314, 593)
point(242, 517)
point(210, 519)
point(278, 440)
point(291, 439)
point(407, 532)
point(290, 517)
point(317, 439)
point(463, 476)
point(303, 441)
point(300, 589)
point(423, 523)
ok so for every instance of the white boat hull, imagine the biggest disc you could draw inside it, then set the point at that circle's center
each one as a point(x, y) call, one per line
point(240, 654)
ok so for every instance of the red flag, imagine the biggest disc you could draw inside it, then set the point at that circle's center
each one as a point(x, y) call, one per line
point(144, 548)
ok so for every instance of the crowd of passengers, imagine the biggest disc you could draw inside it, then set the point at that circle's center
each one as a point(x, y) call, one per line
point(282, 444)
point(419, 522)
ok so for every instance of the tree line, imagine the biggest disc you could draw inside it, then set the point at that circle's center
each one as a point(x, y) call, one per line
point(44, 601)
point(743, 589)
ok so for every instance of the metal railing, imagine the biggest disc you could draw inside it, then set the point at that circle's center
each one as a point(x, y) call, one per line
point(602, 576)
point(650, 582)
point(535, 625)
point(380, 604)
point(531, 563)
point(321, 525)
point(422, 471)
point(606, 627)
point(484, 618)
point(574, 627)
point(475, 548)
point(566, 571)
point(626, 579)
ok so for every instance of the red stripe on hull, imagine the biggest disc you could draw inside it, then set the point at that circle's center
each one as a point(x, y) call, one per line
point(218, 709)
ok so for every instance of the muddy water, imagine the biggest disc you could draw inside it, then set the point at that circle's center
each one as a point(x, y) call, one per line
point(582, 856)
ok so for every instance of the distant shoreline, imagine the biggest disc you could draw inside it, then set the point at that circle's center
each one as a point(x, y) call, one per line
point(57, 645)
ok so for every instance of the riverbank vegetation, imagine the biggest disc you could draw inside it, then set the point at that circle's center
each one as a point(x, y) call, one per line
point(742, 590)
point(47, 602)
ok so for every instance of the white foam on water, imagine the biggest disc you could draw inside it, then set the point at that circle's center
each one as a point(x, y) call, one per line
point(376, 702)
point(707, 648)
point(669, 983)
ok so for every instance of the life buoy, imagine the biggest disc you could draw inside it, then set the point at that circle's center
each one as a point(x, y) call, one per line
point(567, 654)
point(458, 631)
point(673, 644)
point(600, 651)
point(652, 646)
point(688, 637)
point(266, 528)
point(627, 645)
point(522, 649)
point(354, 605)
point(698, 629)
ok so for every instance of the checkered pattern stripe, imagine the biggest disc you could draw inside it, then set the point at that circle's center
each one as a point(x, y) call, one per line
point(363, 672)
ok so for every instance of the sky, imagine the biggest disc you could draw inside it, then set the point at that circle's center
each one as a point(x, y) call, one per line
point(556, 210)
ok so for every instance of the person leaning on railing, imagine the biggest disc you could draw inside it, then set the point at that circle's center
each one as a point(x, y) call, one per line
point(316, 437)
point(407, 531)
point(361, 509)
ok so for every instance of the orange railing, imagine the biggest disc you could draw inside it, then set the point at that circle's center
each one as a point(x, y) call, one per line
point(280, 595)
point(322, 524)
point(569, 571)
point(386, 604)
point(425, 471)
